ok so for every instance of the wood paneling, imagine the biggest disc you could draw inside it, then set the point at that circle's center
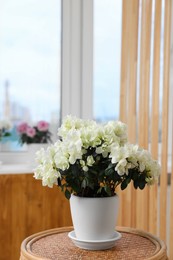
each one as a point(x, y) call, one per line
point(171, 196)
point(155, 112)
point(128, 95)
point(123, 89)
point(144, 103)
point(26, 207)
point(165, 105)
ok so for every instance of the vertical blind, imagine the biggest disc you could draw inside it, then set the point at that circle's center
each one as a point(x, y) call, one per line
point(144, 106)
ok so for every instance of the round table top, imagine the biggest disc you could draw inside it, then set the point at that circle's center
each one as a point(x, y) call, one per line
point(55, 244)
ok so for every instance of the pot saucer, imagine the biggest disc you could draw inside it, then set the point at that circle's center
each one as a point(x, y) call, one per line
point(94, 244)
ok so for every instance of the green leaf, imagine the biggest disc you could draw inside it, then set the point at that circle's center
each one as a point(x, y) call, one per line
point(108, 172)
point(91, 185)
point(7, 134)
point(128, 180)
point(107, 190)
point(84, 183)
point(110, 166)
point(99, 190)
point(142, 181)
point(76, 187)
point(59, 181)
point(136, 184)
point(141, 185)
point(124, 185)
point(134, 175)
point(67, 194)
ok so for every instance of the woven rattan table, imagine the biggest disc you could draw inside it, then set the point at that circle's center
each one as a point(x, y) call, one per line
point(55, 244)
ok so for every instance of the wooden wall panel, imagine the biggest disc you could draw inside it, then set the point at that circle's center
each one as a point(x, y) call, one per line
point(123, 90)
point(124, 60)
point(5, 219)
point(144, 107)
point(171, 200)
point(131, 101)
point(26, 207)
point(165, 105)
point(153, 192)
point(128, 96)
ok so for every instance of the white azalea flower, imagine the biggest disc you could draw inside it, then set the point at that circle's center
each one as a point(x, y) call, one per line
point(61, 162)
point(50, 177)
point(121, 167)
point(38, 172)
point(45, 170)
point(40, 155)
point(90, 137)
point(99, 150)
point(118, 153)
point(85, 168)
point(82, 163)
point(61, 157)
point(90, 160)
point(70, 122)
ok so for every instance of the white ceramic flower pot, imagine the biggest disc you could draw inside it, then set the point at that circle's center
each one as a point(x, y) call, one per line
point(94, 218)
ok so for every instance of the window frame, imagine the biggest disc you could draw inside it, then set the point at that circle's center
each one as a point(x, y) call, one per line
point(77, 58)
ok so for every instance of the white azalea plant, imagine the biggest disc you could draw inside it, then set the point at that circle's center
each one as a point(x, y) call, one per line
point(91, 160)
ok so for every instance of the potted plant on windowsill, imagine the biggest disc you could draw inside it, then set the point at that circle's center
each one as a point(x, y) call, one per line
point(35, 137)
point(5, 130)
point(5, 126)
point(88, 163)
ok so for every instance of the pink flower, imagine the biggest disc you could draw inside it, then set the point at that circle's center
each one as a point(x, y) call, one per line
point(42, 126)
point(22, 128)
point(30, 131)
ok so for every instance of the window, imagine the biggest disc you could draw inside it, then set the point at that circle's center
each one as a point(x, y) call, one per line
point(30, 52)
point(107, 59)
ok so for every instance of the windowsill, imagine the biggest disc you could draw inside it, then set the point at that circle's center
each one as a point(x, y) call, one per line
point(19, 161)
point(15, 168)
point(15, 163)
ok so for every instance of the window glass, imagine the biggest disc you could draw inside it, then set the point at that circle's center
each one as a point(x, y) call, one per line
point(107, 58)
point(30, 63)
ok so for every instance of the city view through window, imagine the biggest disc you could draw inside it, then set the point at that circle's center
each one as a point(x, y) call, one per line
point(30, 62)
